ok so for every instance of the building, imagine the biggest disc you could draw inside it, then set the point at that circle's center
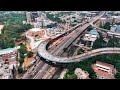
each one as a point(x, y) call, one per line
point(63, 73)
point(113, 34)
point(81, 74)
point(42, 21)
point(51, 32)
point(116, 19)
point(31, 16)
point(90, 37)
point(5, 71)
point(105, 19)
point(35, 36)
point(104, 70)
point(9, 55)
point(8, 51)
point(28, 16)
point(115, 28)
point(34, 15)
point(115, 31)
point(36, 33)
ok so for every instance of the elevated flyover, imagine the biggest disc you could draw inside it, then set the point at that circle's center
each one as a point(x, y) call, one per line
point(58, 59)
point(42, 48)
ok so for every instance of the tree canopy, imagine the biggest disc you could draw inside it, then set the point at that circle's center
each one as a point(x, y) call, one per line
point(107, 25)
point(30, 54)
point(53, 18)
point(64, 49)
point(20, 70)
point(68, 76)
point(13, 28)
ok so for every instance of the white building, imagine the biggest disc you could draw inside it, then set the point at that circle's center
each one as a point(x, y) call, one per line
point(91, 37)
point(28, 15)
point(81, 74)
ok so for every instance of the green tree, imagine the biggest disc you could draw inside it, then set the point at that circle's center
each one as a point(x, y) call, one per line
point(107, 25)
point(53, 18)
point(78, 52)
point(81, 50)
point(21, 60)
point(117, 76)
point(71, 67)
point(99, 43)
point(20, 70)
point(64, 49)
point(89, 28)
point(22, 49)
point(30, 54)
point(51, 25)
point(13, 28)
point(22, 55)
point(68, 76)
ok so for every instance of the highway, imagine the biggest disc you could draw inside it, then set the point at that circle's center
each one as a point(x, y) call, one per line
point(64, 44)
point(73, 35)
point(41, 69)
point(44, 72)
point(70, 38)
point(37, 72)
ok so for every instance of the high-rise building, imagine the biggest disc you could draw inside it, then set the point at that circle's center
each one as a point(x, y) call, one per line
point(31, 16)
point(34, 15)
point(28, 15)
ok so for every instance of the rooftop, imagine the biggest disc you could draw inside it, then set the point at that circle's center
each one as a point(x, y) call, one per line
point(35, 29)
point(105, 64)
point(93, 32)
point(81, 74)
point(118, 28)
point(3, 51)
point(102, 73)
point(116, 16)
point(5, 71)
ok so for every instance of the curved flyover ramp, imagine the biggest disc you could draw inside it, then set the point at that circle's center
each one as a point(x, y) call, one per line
point(48, 56)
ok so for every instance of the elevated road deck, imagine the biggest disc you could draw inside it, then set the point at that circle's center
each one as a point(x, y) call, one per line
point(71, 37)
